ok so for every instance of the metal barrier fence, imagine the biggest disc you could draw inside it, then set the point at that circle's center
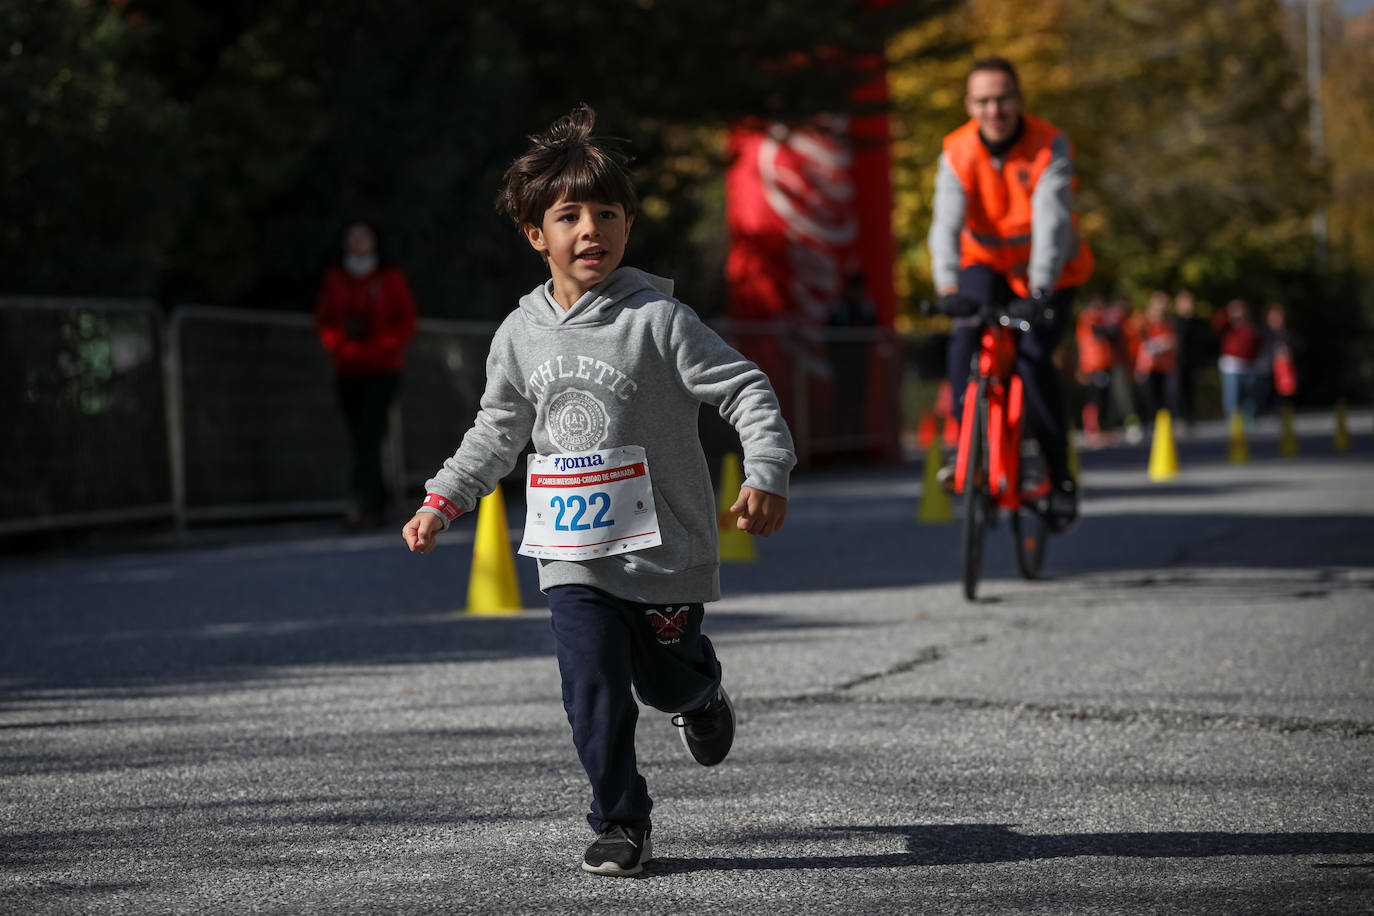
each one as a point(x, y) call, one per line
point(839, 387)
point(114, 412)
point(82, 413)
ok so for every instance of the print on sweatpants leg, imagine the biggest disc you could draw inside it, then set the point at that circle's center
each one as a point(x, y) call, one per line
point(668, 623)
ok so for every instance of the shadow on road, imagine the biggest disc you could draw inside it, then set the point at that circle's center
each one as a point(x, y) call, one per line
point(977, 844)
point(197, 617)
point(899, 553)
point(147, 655)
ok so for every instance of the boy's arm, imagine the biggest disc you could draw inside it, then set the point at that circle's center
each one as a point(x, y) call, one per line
point(714, 372)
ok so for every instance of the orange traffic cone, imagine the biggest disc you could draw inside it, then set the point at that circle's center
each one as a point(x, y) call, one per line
point(925, 433)
point(951, 435)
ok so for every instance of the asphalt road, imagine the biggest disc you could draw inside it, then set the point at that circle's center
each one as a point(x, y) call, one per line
point(1179, 718)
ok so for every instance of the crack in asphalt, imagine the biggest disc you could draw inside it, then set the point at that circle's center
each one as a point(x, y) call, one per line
point(924, 657)
point(1174, 718)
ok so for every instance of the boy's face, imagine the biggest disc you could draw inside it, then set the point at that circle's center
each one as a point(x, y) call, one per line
point(584, 241)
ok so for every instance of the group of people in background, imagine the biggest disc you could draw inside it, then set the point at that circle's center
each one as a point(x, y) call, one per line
point(1134, 362)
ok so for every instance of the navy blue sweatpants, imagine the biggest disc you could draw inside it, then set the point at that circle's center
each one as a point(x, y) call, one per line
point(605, 646)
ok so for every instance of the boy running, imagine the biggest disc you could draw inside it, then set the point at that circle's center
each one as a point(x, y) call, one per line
point(606, 372)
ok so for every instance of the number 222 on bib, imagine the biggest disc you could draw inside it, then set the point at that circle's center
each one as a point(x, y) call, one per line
point(596, 504)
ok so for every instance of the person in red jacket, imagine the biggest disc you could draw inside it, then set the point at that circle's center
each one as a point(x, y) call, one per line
point(1155, 358)
point(1241, 343)
point(366, 316)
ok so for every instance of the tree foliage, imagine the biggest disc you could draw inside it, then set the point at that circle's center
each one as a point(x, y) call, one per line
point(212, 152)
point(1188, 120)
point(1348, 108)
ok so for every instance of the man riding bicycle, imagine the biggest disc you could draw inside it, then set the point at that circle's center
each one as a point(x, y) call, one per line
point(1005, 236)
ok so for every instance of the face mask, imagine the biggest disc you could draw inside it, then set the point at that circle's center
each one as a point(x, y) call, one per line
point(360, 265)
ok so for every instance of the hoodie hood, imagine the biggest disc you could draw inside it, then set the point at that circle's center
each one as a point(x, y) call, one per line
point(598, 305)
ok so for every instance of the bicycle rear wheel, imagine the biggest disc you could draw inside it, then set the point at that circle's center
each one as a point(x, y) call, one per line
point(1029, 533)
point(975, 498)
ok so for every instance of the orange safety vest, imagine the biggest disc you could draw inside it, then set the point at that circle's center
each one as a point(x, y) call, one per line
point(1094, 353)
point(997, 212)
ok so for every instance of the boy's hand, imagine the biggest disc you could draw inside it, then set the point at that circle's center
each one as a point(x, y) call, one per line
point(760, 512)
point(419, 532)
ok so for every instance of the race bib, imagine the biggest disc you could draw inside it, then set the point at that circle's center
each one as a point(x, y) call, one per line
point(595, 504)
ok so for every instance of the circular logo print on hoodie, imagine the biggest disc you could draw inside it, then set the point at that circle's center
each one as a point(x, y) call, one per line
point(577, 421)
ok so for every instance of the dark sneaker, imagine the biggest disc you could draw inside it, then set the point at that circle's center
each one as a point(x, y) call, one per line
point(621, 850)
point(708, 732)
point(1062, 510)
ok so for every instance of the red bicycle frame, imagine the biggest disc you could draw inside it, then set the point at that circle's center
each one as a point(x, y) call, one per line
point(1005, 400)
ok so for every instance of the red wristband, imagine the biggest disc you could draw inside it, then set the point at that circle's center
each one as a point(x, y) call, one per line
point(444, 505)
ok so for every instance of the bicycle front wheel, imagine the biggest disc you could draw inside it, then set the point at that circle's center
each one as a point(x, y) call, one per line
point(975, 498)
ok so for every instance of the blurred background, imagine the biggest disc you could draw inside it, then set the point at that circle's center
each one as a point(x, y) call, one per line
point(177, 177)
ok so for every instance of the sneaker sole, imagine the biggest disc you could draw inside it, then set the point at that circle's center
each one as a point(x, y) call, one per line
point(734, 723)
point(615, 871)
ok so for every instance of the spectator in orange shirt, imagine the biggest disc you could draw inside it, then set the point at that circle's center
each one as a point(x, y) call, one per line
point(1093, 337)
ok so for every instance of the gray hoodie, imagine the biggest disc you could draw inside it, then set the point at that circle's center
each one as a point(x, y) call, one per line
point(649, 362)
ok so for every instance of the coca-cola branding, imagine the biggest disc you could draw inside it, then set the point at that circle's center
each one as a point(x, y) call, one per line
point(806, 182)
point(804, 198)
point(806, 206)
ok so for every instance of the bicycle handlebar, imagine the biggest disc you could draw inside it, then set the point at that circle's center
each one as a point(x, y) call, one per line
point(992, 314)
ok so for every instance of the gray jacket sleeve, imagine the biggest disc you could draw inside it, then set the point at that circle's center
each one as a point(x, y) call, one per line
point(491, 447)
point(945, 226)
point(1052, 231)
point(715, 373)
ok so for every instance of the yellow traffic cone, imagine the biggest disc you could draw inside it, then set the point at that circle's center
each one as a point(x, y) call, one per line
point(493, 588)
point(1163, 454)
point(935, 507)
point(1237, 452)
point(1342, 440)
point(735, 546)
point(1288, 439)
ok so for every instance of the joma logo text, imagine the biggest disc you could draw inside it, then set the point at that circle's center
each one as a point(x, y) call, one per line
point(586, 461)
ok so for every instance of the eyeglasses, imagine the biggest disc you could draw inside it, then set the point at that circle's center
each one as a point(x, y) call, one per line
point(1003, 101)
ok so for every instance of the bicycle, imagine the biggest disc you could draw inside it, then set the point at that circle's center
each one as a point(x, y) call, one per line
point(989, 470)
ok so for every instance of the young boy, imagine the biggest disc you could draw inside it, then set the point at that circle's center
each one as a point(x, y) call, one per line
point(606, 371)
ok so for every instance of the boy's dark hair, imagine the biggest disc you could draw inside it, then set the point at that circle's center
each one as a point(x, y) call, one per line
point(1000, 64)
point(567, 160)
